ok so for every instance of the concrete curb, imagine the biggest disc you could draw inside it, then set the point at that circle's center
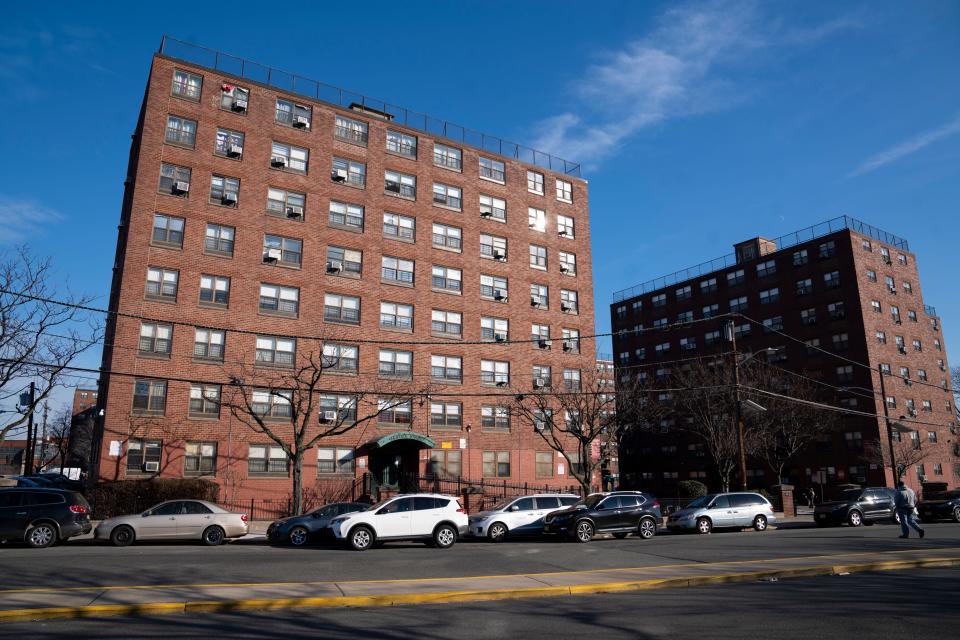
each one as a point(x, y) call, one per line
point(159, 608)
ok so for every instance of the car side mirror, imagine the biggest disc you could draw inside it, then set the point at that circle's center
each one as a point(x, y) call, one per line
point(145, 514)
point(514, 508)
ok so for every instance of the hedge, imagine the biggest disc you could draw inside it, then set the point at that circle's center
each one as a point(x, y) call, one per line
point(690, 489)
point(125, 497)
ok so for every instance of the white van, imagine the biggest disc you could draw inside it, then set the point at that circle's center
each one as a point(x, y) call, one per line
point(419, 516)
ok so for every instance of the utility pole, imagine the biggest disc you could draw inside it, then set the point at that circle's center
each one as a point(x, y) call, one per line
point(737, 419)
point(28, 453)
point(886, 421)
point(43, 437)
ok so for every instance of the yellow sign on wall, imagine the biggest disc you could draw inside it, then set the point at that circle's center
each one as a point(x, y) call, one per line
point(446, 445)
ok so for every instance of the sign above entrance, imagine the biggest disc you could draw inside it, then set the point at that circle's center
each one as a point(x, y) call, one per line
point(404, 435)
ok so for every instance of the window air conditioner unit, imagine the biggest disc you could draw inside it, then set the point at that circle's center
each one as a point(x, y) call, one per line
point(181, 186)
point(564, 307)
point(538, 383)
point(500, 337)
point(272, 255)
point(543, 344)
point(334, 266)
point(294, 211)
point(499, 256)
point(501, 383)
point(534, 301)
point(240, 104)
point(902, 349)
point(887, 260)
point(338, 175)
point(301, 122)
point(499, 295)
point(567, 345)
point(235, 151)
point(278, 161)
point(912, 412)
point(327, 417)
point(562, 232)
point(892, 289)
point(228, 198)
point(486, 214)
point(151, 467)
point(564, 269)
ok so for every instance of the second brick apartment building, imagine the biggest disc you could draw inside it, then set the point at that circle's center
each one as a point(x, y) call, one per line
point(267, 217)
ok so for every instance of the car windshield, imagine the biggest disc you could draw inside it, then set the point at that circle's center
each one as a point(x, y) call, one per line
point(700, 502)
point(500, 506)
point(849, 494)
point(590, 501)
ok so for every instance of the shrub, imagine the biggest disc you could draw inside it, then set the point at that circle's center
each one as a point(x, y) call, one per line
point(124, 497)
point(690, 489)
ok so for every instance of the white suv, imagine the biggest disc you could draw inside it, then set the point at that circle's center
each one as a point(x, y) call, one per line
point(421, 516)
point(518, 516)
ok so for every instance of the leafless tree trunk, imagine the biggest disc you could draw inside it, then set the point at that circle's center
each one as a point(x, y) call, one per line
point(58, 433)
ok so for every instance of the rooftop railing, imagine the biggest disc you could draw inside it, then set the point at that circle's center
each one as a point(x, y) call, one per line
point(299, 85)
point(930, 311)
point(783, 242)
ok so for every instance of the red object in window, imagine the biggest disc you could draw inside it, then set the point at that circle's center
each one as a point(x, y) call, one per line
point(228, 87)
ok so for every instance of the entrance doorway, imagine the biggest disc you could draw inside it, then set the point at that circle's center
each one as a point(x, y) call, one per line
point(394, 460)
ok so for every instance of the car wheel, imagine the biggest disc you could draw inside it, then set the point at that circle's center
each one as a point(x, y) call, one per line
point(41, 536)
point(361, 538)
point(444, 536)
point(298, 536)
point(122, 536)
point(584, 531)
point(855, 518)
point(648, 528)
point(497, 532)
point(956, 514)
point(760, 523)
point(212, 536)
point(704, 525)
point(620, 535)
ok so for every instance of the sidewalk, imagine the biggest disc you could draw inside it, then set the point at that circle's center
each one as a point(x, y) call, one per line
point(28, 604)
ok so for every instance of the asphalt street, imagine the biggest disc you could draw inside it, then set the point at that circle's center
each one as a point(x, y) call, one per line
point(89, 563)
point(879, 606)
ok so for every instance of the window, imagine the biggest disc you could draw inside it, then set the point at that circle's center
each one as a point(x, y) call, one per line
point(285, 251)
point(688, 344)
point(684, 293)
point(495, 208)
point(494, 418)
point(564, 191)
point(828, 249)
point(293, 114)
point(831, 279)
point(181, 131)
point(289, 158)
point(881, 337)
point(493, 247)
point(660, 323)
point(491, 169)
point(840, 341)
point(742, 330)
point(907, 287)
point(187, 85)
point(891, 285)
point(396, 364)
point(396, 271)
point(266, 459)
point(228, 144)
point(446, 369)
point(885, 368)
point(338, 409)
point(335, 460)
point(399, 184)
point(738, 304)
point(447, 157)
point(271, 404)
point(446, 279)
point(770, 296)
point(871, 275)
point(836, 310)
point(149, 397)
point(174, 180)
point(540, 334)
point(346, 216)
point(346, 171)
point(286, 204)
point(711, 337)
point(350, 130)
point(936, 344)
point(911, 315)
point(494, 372)
point(708, 286)
point(162, 284)
point(167, 231)
point(218, 240)
point(494, 329)
point(662, 348)
point(344, 262)
point(922, 375)
point(276, 351)
point(446, 415)
point(399, 226)
point(565, 226)
point(711, 310)
point(214, 290)
point(394, 412)
point(773, 324)
point(200, 458)
point(571, 379)
point(402, 143)
point(493, 287)
point(767, 268)
point(902, 259)
point(446, 323)
point(208, 344)
point(143, 452)
point(496, 464)
point(542, 376)
point(204, 400)
point(538, 257)
point(536, 219)
point(571, 340)
point(885, 255)
point(875, 305)
point(735, 277)
point(155, 339)
point(800, 257)
point(339, 308)
point(535, 182)
point(916, 345)
point(804, 287)
point(544, 464)
point(234, 98)
point(394, 315)
point(447, 237)
point(845, 374)
point(568, 301)
point(543, 419)
point(445, 463)
point(341, 358)
point(448, 196)
point(224, 190)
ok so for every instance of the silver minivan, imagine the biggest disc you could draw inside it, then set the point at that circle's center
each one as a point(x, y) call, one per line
point(724, 510)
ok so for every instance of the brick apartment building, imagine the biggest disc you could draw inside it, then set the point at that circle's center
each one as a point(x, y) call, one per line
point(843, 286)
point(266, 217)
point(84, 399)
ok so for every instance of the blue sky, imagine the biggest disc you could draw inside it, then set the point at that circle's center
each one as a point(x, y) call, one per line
point(698, 124)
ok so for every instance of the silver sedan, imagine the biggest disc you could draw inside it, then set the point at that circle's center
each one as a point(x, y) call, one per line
point(175, 520)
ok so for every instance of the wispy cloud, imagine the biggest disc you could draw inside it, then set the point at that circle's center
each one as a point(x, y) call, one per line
point(685, 65)
point(23, 56)
point(907, 147)
point(23, 219)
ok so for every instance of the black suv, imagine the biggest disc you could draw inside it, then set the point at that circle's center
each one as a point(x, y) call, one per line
point(858, 506)
point(619, 512)
point(41, 517)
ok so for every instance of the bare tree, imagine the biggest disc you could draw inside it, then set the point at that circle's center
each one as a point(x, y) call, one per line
point(906, 452)
point(58, 436)
point(291, 407)
point(38, 339)
point(638, 410)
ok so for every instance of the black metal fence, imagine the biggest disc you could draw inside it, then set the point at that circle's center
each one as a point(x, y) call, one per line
point(261, 509)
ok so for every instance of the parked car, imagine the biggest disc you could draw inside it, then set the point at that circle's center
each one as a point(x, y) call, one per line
point(619, 512)
point(175, 520)
point(58, 481)
point(521, 516)
point(429, 517)
point(858, 506)
point(40, 517)
point(941, 506)
point(299, 530)
point(736, 510)
point(21, 481)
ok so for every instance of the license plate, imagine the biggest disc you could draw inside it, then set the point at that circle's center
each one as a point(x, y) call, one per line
point(822, 516)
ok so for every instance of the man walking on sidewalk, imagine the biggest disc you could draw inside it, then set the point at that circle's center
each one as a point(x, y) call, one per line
point(906, 509)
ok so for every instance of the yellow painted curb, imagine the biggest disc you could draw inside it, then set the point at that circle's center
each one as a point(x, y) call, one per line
point(385, 600)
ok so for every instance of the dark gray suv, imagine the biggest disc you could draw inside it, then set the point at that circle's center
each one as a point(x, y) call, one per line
point(41, 517)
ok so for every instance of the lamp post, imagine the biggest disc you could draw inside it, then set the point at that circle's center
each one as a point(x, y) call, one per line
point(737, 418)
